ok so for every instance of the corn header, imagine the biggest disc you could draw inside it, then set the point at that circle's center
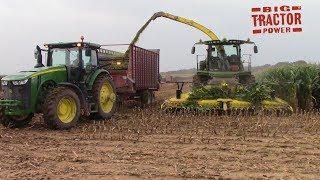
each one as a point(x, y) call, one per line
point(225, 99)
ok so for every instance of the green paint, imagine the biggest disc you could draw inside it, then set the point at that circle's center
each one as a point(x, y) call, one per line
point(92, 77)
point(10, 103)
point(223, 74)
point(32, 73)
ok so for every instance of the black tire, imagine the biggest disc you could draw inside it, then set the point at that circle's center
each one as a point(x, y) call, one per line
point(104, 81)
point(14, 121)
point(153, 95)
point(147, 97)
point(200, 80)
point(2, 116)
point(59, 98)
point(247, 80)
point(196, 80)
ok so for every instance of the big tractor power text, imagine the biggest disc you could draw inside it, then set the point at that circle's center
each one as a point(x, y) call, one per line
point(277, 19)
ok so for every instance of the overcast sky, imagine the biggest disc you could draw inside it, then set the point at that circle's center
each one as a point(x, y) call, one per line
point(26, 23)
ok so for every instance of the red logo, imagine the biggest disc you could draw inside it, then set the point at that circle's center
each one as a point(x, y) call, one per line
point(277, 19)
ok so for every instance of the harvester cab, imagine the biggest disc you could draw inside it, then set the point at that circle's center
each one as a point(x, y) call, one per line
point(71, 84)
point(224, 63)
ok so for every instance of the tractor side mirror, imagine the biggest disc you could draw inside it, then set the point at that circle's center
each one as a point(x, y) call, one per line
point(255, 49)
point(38, 56)
point(193, 50)
point(88, 52)
point(35, 53)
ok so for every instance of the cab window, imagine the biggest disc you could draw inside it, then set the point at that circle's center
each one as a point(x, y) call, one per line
point(69, 56)
point(89, 60)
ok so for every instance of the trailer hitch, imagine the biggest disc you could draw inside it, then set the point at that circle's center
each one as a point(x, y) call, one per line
point(180, 85)
point(179, 89)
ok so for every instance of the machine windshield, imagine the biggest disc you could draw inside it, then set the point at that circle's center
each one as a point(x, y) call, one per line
point(230, 50)
point(65, 56)
point(227, 50)
point(224, 59)
point(70, 57)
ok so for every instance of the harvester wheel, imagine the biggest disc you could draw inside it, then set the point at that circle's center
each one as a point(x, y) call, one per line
point(199, 80)
point(61, 108)
point(105, 96)
point(247, 80)
point(15, 121)
point(196, 80)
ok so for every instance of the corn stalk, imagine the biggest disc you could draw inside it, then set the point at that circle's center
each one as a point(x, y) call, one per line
point(298, 85)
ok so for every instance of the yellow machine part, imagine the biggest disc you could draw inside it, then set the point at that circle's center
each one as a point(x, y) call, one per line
point(176, 103)
point(226, 104)
point(179, 19)
point(275, 104)
point(196, 25)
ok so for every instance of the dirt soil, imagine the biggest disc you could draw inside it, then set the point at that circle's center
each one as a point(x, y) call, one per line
point(150, 144)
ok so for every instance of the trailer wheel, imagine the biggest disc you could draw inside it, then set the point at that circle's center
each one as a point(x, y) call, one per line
point(147, 97)
point(61, 108)
point(15, 121)
point(106, 98)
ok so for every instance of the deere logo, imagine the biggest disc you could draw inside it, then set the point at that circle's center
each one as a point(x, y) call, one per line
point(10, 91)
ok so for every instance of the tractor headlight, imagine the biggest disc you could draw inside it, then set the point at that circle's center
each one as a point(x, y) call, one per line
point(22, 82)
point(4, 83)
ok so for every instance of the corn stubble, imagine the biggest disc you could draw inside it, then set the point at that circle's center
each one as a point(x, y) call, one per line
point(198, 127)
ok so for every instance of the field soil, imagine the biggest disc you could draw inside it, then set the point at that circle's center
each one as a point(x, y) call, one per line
point(150, 144)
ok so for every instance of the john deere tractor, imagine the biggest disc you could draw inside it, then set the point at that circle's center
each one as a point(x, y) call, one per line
point(71, 84)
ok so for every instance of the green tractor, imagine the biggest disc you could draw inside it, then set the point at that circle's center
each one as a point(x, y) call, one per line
point(70, 85)
point(224, 63)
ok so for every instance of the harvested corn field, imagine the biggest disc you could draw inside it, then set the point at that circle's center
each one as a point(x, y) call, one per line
point(148, 144)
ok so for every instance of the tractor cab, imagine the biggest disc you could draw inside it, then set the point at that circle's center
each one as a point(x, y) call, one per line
point(224, 60)
point(80, 58)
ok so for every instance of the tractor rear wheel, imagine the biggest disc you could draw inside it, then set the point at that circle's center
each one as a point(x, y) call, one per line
point(61, 108)
point(105, 96)
point(14, 121)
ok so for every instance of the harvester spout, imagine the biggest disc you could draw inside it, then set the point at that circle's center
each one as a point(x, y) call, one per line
point(179, 19)
point(158, 14)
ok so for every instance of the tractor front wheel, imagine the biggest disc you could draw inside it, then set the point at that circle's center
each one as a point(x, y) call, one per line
point(61, 108)
point(14, 121)
point(105, 96)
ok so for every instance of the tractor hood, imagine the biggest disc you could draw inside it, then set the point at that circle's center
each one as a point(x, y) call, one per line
point(22, 75)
